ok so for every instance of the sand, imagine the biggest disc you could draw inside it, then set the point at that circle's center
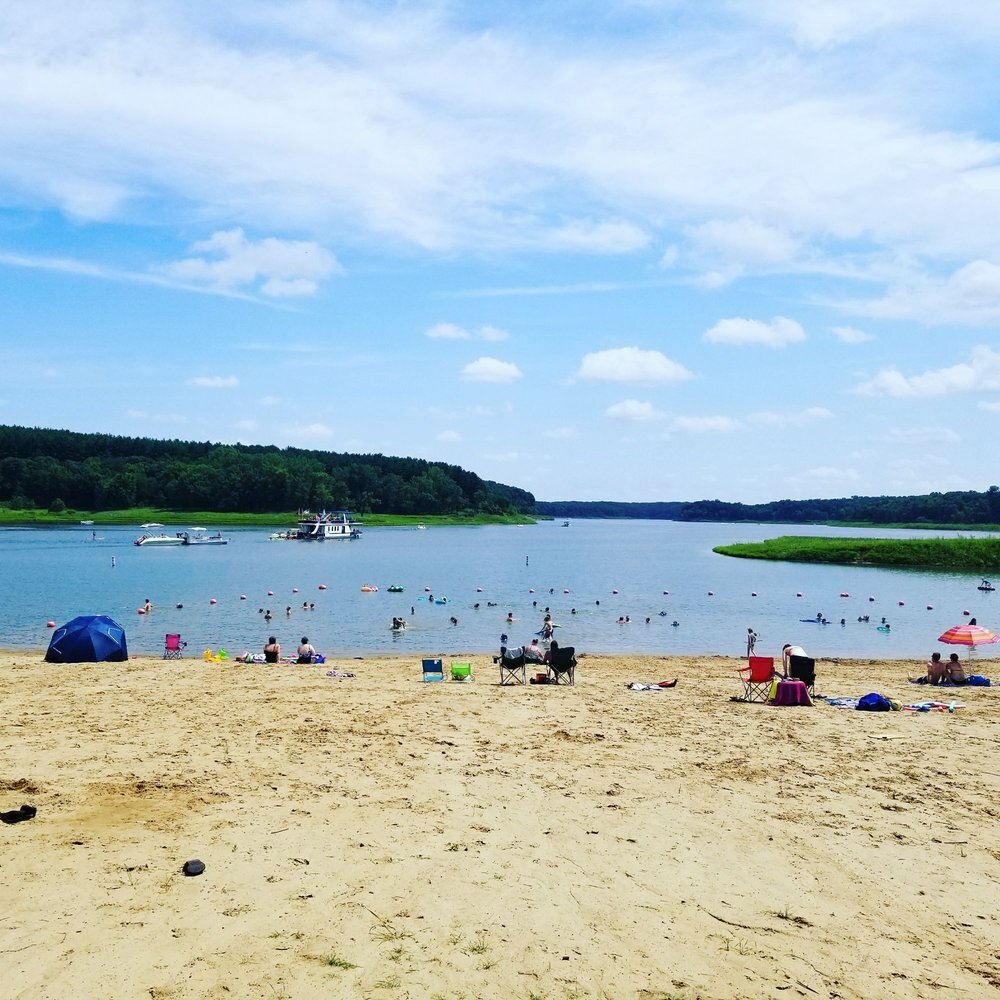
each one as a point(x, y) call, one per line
point(381, 837)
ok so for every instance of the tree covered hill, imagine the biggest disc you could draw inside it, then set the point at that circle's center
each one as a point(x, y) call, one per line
point(958, 508)
point(42, 468)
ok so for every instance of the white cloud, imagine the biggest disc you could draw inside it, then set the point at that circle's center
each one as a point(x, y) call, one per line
point(808, 415)
point(560, 433)
point(849, 335)
point(447, 331)
point(705, 425)
point(451, 331)
point(631, 364)
point(596, 237)
point(214, 381)
point(990, 407)
point(980, 374)
point(970, 295)
point(634, 411)
point(491, 370)
point(449, 437)
point(492, 333)
point(735, 246)
point(278, 268)
point(740, 332)
point(309, 432)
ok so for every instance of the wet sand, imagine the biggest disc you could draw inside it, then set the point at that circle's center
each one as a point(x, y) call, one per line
point(381, 837)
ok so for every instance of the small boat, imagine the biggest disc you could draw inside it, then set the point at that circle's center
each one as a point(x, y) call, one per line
point(151, 524)
point(565, 524)
point(394, 588)
point(986, 585)
point(159, 540)
point(421, 526)
point(200, 536)
point(88, 523)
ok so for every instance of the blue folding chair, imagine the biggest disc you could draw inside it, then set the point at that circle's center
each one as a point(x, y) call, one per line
point(433, 670)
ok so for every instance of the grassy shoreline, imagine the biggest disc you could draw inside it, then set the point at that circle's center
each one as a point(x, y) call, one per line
point(977, 555)
point(140, 515)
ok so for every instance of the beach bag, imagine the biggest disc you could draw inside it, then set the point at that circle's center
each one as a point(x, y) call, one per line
point(874, 703)
point(977, 680)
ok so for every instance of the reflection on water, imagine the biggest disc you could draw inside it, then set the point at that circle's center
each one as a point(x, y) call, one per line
point(589, 576)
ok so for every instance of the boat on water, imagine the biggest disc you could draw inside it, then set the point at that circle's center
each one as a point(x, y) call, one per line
point(201, 536)
point(325, 525)
point(394, 588)
point(421, 526)
point(986, 585)
point(151, 524)
point(88, 523)
point(159, 540)
point(565, 524)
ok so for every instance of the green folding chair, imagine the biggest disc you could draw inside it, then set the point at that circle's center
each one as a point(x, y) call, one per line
point(461, 672)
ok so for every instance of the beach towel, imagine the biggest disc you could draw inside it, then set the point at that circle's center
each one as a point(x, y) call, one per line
point(339, 673)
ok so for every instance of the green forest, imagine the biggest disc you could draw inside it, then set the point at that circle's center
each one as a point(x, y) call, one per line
point(58, 470)
point(966, 509)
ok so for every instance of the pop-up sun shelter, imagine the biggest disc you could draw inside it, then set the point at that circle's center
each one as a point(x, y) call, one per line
point(88, 639)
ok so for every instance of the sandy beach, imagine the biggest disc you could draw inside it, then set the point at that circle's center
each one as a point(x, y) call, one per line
point(376, 836)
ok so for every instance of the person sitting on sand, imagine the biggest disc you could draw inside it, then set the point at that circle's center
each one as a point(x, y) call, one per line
point(533, 653)
point(936, 671)
point(272, 651)
point(787, 652)
point(956, 672)
point(306, 651)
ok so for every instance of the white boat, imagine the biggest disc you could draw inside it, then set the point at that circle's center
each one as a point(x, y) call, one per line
point(159, 540)
point(151, 524)
point(200, 536)
point(88, 523)
point(421, 526)
point(326, 525)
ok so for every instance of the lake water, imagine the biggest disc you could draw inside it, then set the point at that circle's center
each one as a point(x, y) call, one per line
point(602, 569)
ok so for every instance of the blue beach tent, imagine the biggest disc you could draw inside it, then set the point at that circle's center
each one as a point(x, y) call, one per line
point(88, 639)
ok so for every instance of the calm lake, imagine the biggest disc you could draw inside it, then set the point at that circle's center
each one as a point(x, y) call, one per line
point(603, 569)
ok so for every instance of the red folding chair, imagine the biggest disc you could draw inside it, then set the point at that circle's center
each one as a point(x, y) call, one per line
point(172, 647)
point(757, 676)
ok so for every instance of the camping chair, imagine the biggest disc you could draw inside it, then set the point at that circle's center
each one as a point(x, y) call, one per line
point(512, 666)
point(433, 671)
point(172, 646)
point(757, 676)
point(562, 665)
point(803, 668)
point(461, 672)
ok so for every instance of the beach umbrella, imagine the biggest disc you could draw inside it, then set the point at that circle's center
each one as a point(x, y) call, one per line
point(88, 639)
point(969, 635)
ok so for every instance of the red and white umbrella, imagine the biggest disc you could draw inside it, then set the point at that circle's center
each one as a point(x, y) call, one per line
point(969, 635)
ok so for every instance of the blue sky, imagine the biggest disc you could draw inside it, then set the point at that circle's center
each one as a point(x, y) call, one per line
point(629, 250)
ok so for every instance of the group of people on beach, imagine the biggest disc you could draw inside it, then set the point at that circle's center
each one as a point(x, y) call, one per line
point(306, 652)
point(942, 672)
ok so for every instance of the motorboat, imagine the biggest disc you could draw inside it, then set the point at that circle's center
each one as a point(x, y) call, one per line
point(325, 525)
point(151, 524)
point(565, 524)
point(88, 523)
point(159, 540)
point(201, 536)
point(421, 526)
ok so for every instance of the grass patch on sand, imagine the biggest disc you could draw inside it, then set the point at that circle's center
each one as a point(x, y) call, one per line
point(974, 555)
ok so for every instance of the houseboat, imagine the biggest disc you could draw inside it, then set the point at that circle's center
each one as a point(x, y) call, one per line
point(325, 525)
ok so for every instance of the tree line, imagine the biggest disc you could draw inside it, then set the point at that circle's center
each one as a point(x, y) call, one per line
point(58, 469)
point(966, 507)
